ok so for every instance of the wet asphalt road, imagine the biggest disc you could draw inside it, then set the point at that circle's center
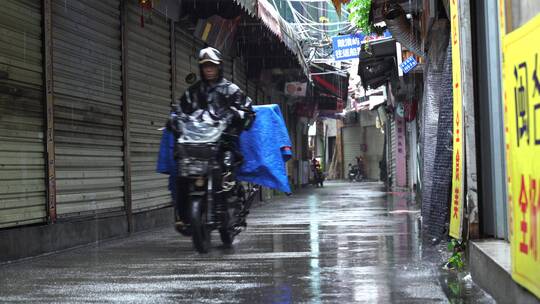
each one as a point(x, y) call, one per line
point(346, 243)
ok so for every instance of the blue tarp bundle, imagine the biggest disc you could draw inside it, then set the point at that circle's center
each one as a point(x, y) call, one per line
point(266, 148)
point(166, 163)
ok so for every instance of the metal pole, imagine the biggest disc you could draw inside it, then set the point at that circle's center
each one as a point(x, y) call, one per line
point(469, 116)
point(49, 111)
point(125, 112)
point(491, 125)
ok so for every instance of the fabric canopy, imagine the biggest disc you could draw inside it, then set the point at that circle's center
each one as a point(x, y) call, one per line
point(329, 80)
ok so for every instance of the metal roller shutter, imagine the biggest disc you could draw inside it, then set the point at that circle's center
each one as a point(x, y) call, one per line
point(252, 91)
point(187, 48)
point(87, 106)
point(351, 146)
point(393, 149)
point(149, 98)
point(240, 74)
point(228, 68)
point(259, 96)
point(22, 159)
point(374, 154)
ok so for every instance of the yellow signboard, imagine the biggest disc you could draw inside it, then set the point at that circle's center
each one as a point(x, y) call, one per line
point(456, 210)
point(521, 77)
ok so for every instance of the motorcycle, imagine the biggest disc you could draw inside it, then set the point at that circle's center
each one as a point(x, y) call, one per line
point(207, 157)
point(355, 175)
point(318, 176)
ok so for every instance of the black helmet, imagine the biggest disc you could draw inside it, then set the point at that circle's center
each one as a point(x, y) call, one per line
point(210, 54)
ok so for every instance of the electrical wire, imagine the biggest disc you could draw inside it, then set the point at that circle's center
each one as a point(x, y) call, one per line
point(321, 23)
point(314, 33)
point(305, 26)
point(310, 24)
point(325, 31)
point(344, 12)
point(311, 20)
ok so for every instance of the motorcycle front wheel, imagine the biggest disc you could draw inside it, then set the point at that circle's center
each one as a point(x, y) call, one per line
point(199, 227)
point(226, 232)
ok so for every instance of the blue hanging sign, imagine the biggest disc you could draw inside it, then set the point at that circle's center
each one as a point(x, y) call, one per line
point(348, 47)
point(408, 64)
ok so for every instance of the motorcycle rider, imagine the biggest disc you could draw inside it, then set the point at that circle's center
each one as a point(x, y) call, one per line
point(222, 99)
point(318, 176)
point(213, 92)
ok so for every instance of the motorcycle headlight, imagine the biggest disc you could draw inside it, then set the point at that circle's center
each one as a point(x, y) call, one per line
point(199, 182)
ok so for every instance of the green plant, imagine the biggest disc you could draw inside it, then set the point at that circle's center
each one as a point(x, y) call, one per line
point(359, 11)
point(455, 287)
point(360, 15)
point(456, 259)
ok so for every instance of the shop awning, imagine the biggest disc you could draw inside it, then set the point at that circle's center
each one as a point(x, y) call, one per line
point(329, 80)
point(281, 28)
point(206, 8)
point(250, 6)
point(260, 10)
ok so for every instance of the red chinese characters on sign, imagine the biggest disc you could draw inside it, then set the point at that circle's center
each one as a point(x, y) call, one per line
point(457, 139)
point(456, 221)
point(456, 202)
point(529, 201)
point(521, 101)
point(454, 22)
point(454, 38)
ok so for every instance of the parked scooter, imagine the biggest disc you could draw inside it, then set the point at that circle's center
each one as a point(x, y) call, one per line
point(355, 174)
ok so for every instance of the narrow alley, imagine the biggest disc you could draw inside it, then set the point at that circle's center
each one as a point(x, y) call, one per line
point(133, 131)
point(345, 243)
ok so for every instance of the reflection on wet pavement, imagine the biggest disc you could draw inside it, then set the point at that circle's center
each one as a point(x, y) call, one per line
point(346, 243)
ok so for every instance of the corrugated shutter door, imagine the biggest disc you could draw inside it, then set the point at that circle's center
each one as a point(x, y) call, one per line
point(394, 151)
point(88, 106)
point(22, 159)
point(228, 68)
point(351, 146)
point(149, 98)
point(375, 145)
point(252, 91)
point(240, 74)
point(261, 96)
point(187, 48)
